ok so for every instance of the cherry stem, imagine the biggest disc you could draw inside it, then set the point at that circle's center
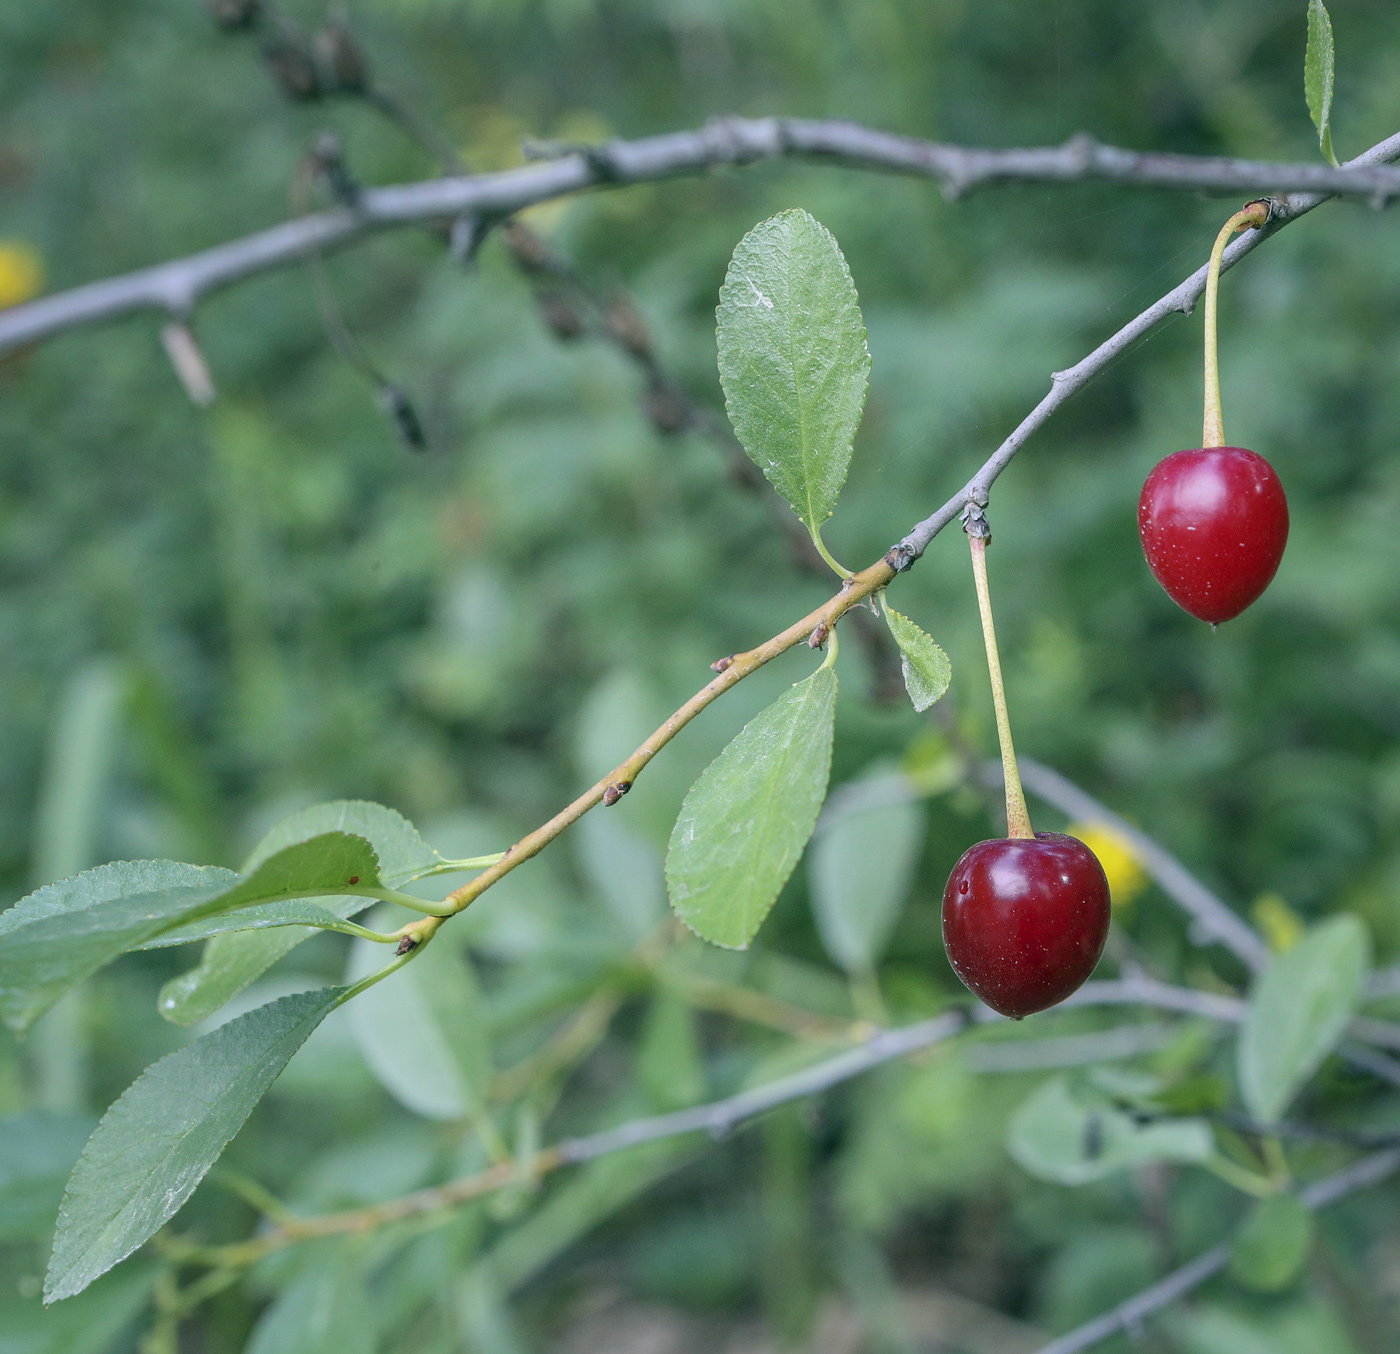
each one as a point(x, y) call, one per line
point(1018, 821)
point(1256, 214)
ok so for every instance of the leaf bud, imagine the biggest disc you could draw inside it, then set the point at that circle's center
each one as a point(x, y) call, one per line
point(667, 408)
point(394, 401)
point(340, 60)
point(528, 249)
point(564, 322)
point(288, 57)
point(627, 327)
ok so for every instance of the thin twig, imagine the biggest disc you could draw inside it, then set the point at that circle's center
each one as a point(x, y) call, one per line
point(1181, 299)
point(1214, 917)
point(758, 1008)
point(1071, 1050)
point(574, 1039)
point(719, 1118)
point(619, 781)
point(876, 576)
point(1129, 1316)
point(178, 285)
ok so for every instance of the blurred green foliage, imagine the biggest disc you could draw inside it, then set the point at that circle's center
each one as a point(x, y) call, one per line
point(291, 607)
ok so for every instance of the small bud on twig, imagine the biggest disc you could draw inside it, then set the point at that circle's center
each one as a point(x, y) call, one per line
point(528, 250)
point(406, 944)
point(339, 58)
point(818, 637)
point(720, 664)
point(395, 403)
point(188, 361)
point(564, 322)
point(329, 157)
point(615, 791)
point(974, 520)
point(667, 408)
point(627, 328)
point(288, 56)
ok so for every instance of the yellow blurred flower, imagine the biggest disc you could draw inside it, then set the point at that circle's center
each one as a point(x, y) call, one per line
point(1281, 927)
point(1126, 877)
point(21, 272)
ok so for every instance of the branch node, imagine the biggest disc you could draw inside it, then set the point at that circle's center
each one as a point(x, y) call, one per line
point(407, 944)
point(667, 408)
point(901, 557)
point(1081, 150)
point(974, 520)
point(602, 164)
point(400, 411)
point(328, 158)
point(467, 235)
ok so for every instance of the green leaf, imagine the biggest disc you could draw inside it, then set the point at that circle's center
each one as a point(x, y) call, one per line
point(37, 1150)
point(423, 1030)
point(403, 855)
point(1318, 69)
point(588, 1198)
point(229, 963)
point(1297, 1012)
point(926, 669)
point(299, 912)
point(861, 864)
point(325, 1310)
point(793, 359)
point(91, 1324)
point(157, 1142)
point(670, 1060)
point(624, 870)
point(106, 883)
point(42, 958)
point(1073, 1140)
point(1270, 1249)
point(745, 821)
point(1298, 1326)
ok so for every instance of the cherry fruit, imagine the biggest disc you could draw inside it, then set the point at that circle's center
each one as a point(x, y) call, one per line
point(1213, 524)
point(1214, 521)
point(1025, 917)
point(1025, 920)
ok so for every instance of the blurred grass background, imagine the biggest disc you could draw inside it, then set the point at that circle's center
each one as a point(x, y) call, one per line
point(208, 619)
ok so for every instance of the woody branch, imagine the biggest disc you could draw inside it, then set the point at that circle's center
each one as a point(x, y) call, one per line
point(177, 286)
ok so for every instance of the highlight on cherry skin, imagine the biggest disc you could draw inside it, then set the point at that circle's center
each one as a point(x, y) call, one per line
point(1025, 920)
point(1214, 523)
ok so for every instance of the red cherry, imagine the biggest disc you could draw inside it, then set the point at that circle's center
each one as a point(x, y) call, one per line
point(1213, 524)
point(1025, 920)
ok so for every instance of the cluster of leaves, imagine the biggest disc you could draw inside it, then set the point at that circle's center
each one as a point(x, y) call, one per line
point(286, 609)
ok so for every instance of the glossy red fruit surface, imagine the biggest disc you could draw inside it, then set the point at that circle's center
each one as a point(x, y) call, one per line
point(1025, 920)
point(1213, 524)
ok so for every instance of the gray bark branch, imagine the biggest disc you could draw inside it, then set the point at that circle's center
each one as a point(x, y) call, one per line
point(177, 286)
point(1180, 300)
point(1129, 1316)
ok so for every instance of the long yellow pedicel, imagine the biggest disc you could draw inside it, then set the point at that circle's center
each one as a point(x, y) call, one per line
point(1018, 820)
point(1256, 214)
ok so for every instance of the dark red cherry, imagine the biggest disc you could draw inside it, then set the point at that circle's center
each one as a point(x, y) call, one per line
point(1213, 524)
point(1025, 920)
